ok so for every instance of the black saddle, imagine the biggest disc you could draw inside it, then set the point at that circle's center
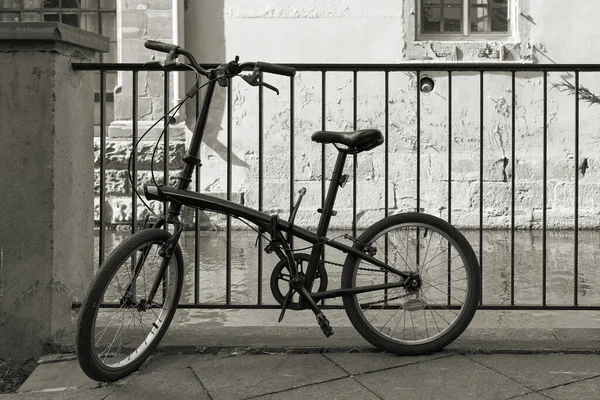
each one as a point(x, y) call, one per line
point(355, 141)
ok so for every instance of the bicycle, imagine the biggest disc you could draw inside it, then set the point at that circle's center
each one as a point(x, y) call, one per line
point(407, 269)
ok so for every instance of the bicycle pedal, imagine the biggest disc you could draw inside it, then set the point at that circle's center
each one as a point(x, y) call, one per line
point(324, 324)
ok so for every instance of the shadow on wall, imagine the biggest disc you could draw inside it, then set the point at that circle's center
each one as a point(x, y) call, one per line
point(205, 38)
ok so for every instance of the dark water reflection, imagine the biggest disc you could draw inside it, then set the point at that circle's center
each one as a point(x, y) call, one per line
point(496, 264)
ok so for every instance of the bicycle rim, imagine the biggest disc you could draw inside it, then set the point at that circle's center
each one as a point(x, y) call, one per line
point(126, 328)
point(421, 316)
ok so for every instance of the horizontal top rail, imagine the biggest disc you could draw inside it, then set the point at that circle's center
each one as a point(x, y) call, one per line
point(465, 67)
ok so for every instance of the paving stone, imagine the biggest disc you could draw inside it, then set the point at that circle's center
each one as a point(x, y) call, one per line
point(65, 374)
point(342, 389)
point(541, 371)
point(531, 396)
point(587, 389)
point(357, 363)
point(169, 384)
point(490, 339)
point(254, 375)
point(161, 362)
point(454, 377)
point(80, 394)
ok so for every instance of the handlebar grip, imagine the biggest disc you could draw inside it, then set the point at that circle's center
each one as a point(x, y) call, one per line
point(160, 46)
point(276, 69)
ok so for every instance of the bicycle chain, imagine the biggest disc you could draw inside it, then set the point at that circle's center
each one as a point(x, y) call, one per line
point(375, 270)
point(361, 268)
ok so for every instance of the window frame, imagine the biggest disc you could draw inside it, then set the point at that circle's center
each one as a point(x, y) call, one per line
point(466, 34)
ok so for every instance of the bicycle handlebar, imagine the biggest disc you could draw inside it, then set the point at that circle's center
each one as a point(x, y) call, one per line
point(160, 46)
point(229, 69)
point(276, 69)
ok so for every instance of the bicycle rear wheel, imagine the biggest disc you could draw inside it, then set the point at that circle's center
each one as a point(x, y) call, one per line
point(424, 318)
point(118, 327)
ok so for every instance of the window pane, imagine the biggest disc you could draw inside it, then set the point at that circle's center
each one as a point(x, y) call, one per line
point(50, 4)
point(51, 17)
point(479, 2)
point(108, 4)
point(452, 17)
point(499, 19)
point(91, 4)
point(31, 17)
point(70, 4)
point(479, 19)
point(13, 4)
point(453, 2)
point(9, 17)
point(29, 4)
point(431, 19)
point(108, 25)
point(89, 22)
point(500, 2)
point(71, 19)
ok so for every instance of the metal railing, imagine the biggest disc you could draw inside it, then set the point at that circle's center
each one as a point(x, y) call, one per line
point(418, 71)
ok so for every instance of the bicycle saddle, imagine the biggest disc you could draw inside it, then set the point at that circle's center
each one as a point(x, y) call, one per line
point(356, 141)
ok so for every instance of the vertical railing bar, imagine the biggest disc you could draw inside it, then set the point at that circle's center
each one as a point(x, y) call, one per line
point(545, 188)
point(449, 181)
point(513, 188)
point(450, 147)
point(354, 157)
point(576, 227)
point(481, 181)
point(417, 247)
point(386, 165)
point(166, 154)
point(166, 122)
point(197, 225)
point(292, 178)
point(418, 143)
point(323, 118)
point(323, 163)
point(134, 138)
point(229, 144)
point(260, 187)
point(101, 236)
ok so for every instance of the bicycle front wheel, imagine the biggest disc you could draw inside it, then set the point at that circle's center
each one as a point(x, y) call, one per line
point(444, 294)
point(119, 324)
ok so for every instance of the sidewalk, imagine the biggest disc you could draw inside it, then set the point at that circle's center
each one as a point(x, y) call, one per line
point(299, 362)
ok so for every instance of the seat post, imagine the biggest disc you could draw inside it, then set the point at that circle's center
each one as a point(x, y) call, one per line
point(326, 214)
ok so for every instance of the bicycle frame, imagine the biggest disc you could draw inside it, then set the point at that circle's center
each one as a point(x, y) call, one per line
point(180, 196)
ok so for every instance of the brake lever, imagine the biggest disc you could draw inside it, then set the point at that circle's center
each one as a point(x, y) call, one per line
point(252, 80)
point(165, 65)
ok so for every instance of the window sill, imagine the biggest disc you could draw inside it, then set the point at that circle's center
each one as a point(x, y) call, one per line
point(471, 49)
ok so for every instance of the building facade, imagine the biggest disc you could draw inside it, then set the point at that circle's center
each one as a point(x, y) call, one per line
point(376, 32)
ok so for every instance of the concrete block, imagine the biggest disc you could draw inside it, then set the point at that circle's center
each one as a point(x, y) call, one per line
point(47, 260)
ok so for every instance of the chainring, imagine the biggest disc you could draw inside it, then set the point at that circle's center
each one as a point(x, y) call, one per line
point(280, 278)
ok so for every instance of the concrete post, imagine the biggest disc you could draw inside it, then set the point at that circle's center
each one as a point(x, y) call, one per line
point(46, 182)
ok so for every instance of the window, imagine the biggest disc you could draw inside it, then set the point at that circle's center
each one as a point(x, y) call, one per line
point(460, 18)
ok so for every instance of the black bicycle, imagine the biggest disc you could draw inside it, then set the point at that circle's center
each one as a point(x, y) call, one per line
point(410, 283)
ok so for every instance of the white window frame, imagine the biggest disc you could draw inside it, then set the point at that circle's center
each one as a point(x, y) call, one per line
point(466, 33)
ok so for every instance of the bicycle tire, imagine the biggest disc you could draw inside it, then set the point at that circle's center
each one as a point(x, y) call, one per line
point(94, 365)
point(379, 333)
